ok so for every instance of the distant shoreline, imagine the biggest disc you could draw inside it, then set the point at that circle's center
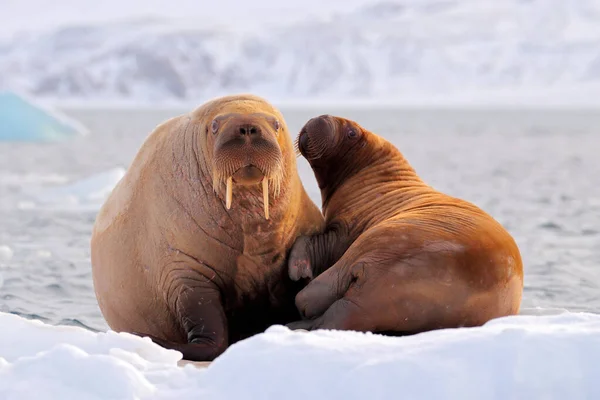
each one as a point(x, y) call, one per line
point(530, 100)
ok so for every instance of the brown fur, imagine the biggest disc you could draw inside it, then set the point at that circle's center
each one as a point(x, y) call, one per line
point(171, 262)
point(396, 255)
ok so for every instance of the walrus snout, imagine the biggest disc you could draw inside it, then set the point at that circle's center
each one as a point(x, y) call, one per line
point(246, 145)
point(247, 152)
point(248, 175)
point(302, 142)
point(321, 125)
point(316, 136)
point(248, 129)
point(246, 134)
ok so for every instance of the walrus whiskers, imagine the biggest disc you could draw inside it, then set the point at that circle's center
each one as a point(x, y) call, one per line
point(297, 146)
point(316, 147)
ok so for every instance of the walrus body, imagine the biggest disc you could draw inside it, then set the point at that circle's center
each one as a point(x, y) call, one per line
point(396, 255)
point(190, 248)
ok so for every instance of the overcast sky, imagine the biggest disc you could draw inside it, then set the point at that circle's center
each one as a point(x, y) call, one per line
point(19, 15)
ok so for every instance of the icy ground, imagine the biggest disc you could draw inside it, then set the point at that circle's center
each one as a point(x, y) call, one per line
point(520, 357)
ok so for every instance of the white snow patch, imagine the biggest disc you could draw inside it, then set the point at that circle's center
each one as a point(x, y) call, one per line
point(6, 254)
point(31, 178)
point(85, 194)
point(525, 356)
point(43, 254)
point(47, 362)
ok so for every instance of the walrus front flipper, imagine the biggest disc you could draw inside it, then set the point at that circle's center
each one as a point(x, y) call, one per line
point(201, 316)
point(312, 255)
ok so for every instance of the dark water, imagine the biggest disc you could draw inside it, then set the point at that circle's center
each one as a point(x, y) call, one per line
point(537, 172)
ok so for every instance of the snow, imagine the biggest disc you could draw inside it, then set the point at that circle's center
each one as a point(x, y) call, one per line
point(405, 51)
point(88, 193)
point(21, 119)
point(6, 254)
point(43, 361)
point(525, 356)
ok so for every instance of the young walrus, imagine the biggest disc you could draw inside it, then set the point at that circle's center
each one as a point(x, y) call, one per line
point(396, 256)
point(190, 248)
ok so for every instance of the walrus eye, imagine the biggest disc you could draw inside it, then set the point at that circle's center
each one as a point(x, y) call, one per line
point(276, 124)
point(214, 126)
point(351, 133)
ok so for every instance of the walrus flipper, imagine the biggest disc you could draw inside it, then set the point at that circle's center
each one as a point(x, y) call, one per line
point(200, 314)
point(325, 304)
point(312, 255)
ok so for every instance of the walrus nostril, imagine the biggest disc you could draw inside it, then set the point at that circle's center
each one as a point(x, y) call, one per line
point(248, 130)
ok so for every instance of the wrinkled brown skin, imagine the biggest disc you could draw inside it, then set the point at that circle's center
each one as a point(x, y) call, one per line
point(396, 256)
point(171, 262)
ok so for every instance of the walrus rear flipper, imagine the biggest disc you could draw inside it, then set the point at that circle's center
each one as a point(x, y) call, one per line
point(191, 351)
point(200, 314)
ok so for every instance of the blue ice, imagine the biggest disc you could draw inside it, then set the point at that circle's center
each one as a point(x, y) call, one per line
point(23, 120)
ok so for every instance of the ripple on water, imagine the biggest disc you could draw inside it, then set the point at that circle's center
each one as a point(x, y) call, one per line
point(56, 289)
point(589, 232)
point(78, 323)
point(551, 226)
point(30, 316)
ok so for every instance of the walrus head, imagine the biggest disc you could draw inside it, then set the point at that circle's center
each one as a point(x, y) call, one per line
point(333, 146)
point(324, 136)
point(242, 144)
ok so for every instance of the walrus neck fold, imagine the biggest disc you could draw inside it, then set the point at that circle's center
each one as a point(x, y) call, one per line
point(367, 166)
point(331, 173)
point(388, 177)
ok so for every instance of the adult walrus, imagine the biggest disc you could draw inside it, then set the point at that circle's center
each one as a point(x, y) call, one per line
point(398, 256)
point(191, 247)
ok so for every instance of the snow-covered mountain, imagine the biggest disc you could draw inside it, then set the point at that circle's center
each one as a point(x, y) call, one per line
point(385, 50)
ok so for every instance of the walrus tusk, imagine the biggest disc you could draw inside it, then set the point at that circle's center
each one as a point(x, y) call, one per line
point(265, 184)
point(229, 194)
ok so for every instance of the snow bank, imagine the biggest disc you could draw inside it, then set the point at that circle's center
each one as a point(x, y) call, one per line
point(548, 356)
point(416, 52)
point(46, 362)
point(85, 194)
